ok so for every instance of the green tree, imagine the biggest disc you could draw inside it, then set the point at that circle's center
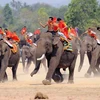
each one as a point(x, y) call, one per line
point(7, 13)
point(81, 13)
point(62, 11)
point(43, 15)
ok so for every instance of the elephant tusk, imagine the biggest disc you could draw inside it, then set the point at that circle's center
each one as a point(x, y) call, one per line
point(41, 57)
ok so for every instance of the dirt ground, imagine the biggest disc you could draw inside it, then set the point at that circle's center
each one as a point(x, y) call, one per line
point(26, 87)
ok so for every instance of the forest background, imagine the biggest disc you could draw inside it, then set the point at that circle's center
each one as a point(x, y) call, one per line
point(78, 13)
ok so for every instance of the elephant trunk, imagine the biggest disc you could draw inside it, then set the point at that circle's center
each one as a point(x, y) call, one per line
point(37, 67)
point(82, 54)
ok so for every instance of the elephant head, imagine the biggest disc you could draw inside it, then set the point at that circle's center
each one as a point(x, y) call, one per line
point(3, 47)
point(45, 46)
point(88, 44)
point(29, 54)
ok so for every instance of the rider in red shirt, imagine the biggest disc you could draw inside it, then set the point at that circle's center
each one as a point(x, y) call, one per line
point(15, 37)
point(8, 34)
point(93, 34)
point(63, 28)
point(37, 32)
point(49, 24)
point(23, 30)
point(73, 32)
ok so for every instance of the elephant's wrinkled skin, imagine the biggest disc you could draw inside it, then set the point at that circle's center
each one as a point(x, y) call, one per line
point(56, 58)
point(8, 59)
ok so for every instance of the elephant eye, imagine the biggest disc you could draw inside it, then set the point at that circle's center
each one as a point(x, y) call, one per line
point(88, 45)
point(46, 45)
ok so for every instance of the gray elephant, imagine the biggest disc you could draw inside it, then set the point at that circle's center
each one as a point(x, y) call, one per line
point(29, 54)
point(23, 41)
point(52, 48)
point(90, 46)
point(8, 59)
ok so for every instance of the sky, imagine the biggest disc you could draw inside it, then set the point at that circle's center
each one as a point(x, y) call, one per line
point(55, 3)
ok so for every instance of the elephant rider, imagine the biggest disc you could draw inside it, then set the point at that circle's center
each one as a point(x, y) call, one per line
point(36, 34)
point(23, 30)
point(15, 41)
point(63, 28)
point(93, 34)
point(11, 39)
point(7, 37)
point(49, 24)
point(15, 38)
point(27, 36)
point(29, 40)
point(72, 32)
point(63, 38)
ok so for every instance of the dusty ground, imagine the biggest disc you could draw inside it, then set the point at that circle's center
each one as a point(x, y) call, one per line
point(26, 87)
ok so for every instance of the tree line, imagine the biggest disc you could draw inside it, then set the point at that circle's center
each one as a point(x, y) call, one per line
point(80, 13)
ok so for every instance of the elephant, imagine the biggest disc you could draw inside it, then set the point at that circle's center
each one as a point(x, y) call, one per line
point(24, 42)
point(90, 45)
point(8, 59)
point(29, 54)
point(56, 57)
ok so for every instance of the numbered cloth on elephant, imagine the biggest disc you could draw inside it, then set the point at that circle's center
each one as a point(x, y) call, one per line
point(15, 48)
point(69, 47)
point(66, 45)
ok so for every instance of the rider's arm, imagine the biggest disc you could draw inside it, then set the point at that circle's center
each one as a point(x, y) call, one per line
point(84, 33)
point(43, 25)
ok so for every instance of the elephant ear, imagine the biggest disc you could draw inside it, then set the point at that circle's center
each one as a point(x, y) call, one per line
point(56, 40)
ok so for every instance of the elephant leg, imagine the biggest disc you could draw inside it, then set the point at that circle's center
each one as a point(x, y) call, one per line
point(94, 62)
point(23, 60)
point(5, 77)
point(89, 71)
point(71, 71)
point(53, 65)
point(3, 69)
point(28, 65)
point(14, 70)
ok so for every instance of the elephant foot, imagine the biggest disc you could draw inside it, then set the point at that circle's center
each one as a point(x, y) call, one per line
point(87, 75)
point(57, 78)
point(70, 82)
point(3, 80)
point(46, 82)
